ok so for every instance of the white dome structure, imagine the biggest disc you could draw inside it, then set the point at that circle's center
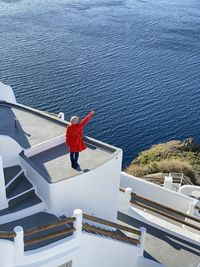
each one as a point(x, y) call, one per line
point(6, 93)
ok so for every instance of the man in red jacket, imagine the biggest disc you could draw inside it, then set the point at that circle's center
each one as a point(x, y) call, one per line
point(74, 138)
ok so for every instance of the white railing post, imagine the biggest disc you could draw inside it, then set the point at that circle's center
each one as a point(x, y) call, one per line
point(19, 241)
point(3, 199)
point(124, 198)
point(128, 191)
point(168, 182)
point(142, 239)
point(61, 116)
point(78, 222)
point(192, 211)
point(181, 180)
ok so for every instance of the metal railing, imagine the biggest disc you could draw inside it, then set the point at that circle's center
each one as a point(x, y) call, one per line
point(109, 233)
point(180, 178)
point(69, 230)
point(40, 229)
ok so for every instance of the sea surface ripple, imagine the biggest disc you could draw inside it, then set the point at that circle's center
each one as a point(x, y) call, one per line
point(135, 62)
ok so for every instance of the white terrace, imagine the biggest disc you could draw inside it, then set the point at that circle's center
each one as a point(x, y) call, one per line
point(42, 198)
point(39, 192)
point(175, 213)
point(42, 137)
point(34, 142)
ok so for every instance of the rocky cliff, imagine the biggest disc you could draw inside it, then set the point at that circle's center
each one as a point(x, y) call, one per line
point(173, 156)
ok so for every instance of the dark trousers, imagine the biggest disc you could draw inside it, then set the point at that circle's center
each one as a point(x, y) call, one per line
point(74, 158)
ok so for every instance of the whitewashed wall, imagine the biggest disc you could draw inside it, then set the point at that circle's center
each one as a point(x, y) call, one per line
point(7, 250)
point(41, 186)
point(189, 189)
point(87, 250)
point(105, 252)
point(156, 192)
point(36, 149)
point(95, 192)
point(9, 150)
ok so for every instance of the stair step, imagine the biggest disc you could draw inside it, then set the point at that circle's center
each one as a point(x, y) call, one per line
point(35, 221)
point(15, 201)
point(114, 237)
point(10, 173)
point(18, 186)
point(22, 205)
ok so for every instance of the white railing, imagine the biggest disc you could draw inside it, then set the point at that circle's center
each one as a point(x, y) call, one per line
point(36, 149)
point(13, 253)
point(3, 199)
point(155, 192)
point(182, 178)
point(175, 181)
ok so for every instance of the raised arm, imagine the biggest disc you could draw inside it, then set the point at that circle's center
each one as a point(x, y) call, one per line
point(86, 119)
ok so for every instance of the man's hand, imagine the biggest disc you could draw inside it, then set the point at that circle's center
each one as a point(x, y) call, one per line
point(92, 112)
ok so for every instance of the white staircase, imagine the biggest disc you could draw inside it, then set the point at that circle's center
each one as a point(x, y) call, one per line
point(21, 195)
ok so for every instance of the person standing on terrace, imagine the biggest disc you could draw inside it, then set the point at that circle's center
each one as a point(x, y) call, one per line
point(74, 137)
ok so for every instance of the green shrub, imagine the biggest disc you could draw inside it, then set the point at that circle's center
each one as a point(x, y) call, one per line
point(164, 166)
point(173, 156)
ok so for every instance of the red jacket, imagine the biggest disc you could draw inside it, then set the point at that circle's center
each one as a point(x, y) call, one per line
point(74, 135)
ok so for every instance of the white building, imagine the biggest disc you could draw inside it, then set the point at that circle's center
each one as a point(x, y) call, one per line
point(50, 214)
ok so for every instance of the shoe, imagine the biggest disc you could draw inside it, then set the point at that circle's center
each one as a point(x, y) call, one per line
point(77, 167)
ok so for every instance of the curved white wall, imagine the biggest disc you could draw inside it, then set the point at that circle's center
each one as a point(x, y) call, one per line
point(9, 150)
point(189, 189)
point(7, 253)
point(6, 93)
point(95, 192)
point(156, 193)
point(88, 250)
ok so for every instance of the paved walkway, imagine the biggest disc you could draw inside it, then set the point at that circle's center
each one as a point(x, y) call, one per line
point(165, 248)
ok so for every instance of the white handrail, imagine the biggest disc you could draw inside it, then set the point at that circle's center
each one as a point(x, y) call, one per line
point(3, 199)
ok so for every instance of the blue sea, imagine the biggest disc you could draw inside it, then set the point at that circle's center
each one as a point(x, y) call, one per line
point(135, 62)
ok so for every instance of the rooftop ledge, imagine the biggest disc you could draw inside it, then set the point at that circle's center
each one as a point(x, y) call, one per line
point(32, 128)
